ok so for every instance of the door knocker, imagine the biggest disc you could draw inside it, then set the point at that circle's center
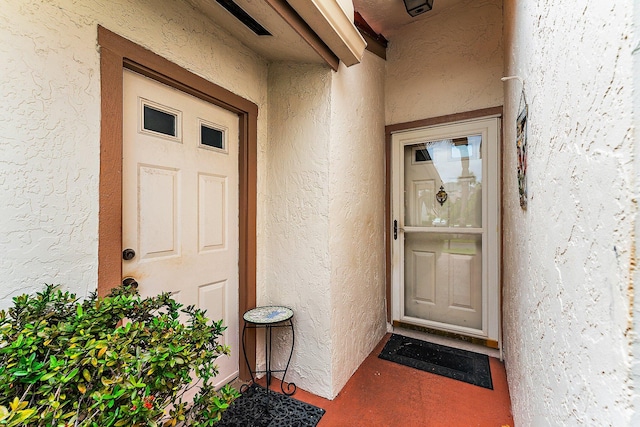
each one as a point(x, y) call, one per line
point(441, 196)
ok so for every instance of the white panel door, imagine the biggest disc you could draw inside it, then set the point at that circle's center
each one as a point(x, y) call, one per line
point(445, 257)
point(180, 202)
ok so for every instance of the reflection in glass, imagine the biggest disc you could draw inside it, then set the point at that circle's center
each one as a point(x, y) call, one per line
point(455, 164)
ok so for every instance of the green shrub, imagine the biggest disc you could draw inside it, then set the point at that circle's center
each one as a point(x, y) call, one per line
point(66, 362)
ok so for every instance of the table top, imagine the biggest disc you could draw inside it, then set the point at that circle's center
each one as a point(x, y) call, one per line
point(268, 314)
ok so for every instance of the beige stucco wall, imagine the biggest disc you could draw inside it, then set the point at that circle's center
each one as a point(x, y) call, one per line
point(324, 244)
point(296, 245)
point(568, 289)
point(448, 63)
point(635, 349)
point(50, 122)
point(356, 215)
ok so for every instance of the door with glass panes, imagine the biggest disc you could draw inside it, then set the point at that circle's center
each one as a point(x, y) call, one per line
point(180, 203)
point(446, 242)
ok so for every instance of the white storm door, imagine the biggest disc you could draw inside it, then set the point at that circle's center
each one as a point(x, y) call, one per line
point(180, 202)
point(445, 254)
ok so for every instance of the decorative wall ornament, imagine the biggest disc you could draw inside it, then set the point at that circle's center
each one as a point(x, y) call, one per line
point(521, 146)
point(521, 142)
point(441, 196)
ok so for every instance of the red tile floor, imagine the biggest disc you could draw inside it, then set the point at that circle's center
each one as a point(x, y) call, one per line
point(387, 394)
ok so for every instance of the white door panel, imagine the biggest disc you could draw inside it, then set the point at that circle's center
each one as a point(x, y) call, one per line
point(180, 202)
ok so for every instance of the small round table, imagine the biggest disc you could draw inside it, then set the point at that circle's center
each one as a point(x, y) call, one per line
point(267, 318)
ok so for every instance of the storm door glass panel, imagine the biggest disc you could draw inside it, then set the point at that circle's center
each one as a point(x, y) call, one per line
point(456, 166)
point(443, 231)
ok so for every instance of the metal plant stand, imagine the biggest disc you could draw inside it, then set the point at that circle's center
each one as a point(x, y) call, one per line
point(268, 318)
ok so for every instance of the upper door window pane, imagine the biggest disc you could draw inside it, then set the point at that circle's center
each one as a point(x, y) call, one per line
point(159, 121)
point(213, 136)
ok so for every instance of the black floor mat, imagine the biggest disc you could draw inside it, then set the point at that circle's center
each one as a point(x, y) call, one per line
point(250, 410)
point(467, 366)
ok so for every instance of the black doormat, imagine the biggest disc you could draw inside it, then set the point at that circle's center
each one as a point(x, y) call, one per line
point(250, 410)
point(467, 366)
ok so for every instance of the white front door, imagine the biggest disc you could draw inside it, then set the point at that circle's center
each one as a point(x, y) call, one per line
point(445, 211)
point(180, 202)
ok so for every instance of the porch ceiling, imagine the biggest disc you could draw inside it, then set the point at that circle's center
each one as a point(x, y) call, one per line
point(385, 16)
point(286, 44)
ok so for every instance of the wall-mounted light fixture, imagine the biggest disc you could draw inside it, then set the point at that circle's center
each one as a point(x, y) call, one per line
point(416, 7)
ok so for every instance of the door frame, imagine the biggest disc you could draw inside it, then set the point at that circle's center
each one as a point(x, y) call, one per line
point(116, 54)
point(389, 130)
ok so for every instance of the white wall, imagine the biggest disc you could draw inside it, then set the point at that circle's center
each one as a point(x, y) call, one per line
point(324, 239)
point(296, 245)
point(356, 216)
point(448, 63)
point(50, 122)
point(635, 362)
point(568, 289)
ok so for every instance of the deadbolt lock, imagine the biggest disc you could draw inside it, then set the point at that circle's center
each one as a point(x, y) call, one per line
point(128, 254)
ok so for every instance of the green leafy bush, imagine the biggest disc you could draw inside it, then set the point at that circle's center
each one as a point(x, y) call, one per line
point(65, 362)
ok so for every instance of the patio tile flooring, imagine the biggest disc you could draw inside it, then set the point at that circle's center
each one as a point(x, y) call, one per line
point(386, 394)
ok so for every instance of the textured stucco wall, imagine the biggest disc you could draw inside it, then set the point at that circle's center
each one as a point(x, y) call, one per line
point(635, 362)
point(49, 162)
point(296, 243)
point(50, 122)
point(324, 241)
point(567, 258)
point(448, 63)
point(356, 215)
